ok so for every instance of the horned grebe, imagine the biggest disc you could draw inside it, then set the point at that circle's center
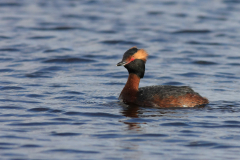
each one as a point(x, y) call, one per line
point(157, 96)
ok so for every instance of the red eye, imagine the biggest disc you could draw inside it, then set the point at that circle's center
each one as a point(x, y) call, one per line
point(132, 59)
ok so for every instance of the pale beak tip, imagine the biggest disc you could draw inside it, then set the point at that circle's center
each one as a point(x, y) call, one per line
point(121, 63)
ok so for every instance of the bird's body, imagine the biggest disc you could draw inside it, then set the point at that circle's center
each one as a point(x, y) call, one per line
point(156, 96)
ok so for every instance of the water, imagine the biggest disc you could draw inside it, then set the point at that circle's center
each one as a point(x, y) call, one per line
point(59, 81)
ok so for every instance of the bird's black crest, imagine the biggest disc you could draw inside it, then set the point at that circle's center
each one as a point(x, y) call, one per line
point(129, 52)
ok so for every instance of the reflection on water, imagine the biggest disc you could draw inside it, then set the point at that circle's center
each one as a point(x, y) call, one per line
point(141, 115)
point(131, 112)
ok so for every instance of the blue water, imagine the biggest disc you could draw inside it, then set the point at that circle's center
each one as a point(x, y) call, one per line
point(59, 81)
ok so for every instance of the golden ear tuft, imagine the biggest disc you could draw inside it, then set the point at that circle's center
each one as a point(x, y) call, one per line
point(141, 54)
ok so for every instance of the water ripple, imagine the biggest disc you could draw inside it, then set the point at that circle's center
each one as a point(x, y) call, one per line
point(120, 42)
point(58, 28)
point(11, 88)
point(10, 50)
point(65, 134)
point(31, 146)
point(191, 74)
point(42, 109)
point(39, 74)
point(41, 37)
point(10, 4)
point(204, 62)
point(174, 124)
point(206, 43)
point(11, 107)
point(47, 72)
point(82, 16)
point(4, 37)
point(204, 31)
point(70, 151)
point(6, 70)
point(67, 59)
point(15, 137)
point(59, 50)
point(201, 144)
point(37, 124)
point(98, 114)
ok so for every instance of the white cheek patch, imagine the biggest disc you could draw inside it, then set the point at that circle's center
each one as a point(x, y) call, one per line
point(185, 106)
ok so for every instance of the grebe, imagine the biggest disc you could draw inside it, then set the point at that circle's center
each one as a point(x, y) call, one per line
point(134, 61)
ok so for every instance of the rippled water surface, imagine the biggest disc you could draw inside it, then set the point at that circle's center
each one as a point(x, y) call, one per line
point(59, 81)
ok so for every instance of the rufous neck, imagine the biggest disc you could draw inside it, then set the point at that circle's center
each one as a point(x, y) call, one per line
point(132, 82)
point(129, 92)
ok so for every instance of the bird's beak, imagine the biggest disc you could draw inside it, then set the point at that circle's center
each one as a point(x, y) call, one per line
point(122, 63)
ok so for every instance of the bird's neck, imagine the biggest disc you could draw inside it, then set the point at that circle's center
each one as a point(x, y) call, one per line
point(129, 92)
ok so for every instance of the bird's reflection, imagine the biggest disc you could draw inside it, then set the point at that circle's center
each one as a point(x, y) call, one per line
point(132, 112)
point(138, 113)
